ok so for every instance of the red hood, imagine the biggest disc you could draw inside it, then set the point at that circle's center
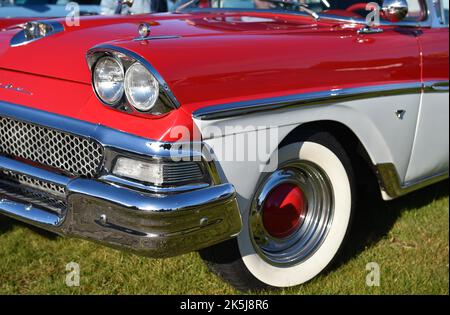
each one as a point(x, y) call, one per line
point(217, 57)
point(62, 55)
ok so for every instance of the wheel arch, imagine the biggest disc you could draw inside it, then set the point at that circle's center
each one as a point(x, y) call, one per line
point(347, 137)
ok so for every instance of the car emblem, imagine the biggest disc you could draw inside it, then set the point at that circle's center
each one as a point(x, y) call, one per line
point(11, 87)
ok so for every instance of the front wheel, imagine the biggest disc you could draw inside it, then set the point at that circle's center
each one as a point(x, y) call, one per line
point(298, 220)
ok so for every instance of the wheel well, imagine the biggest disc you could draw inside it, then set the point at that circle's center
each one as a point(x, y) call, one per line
point(346, 137)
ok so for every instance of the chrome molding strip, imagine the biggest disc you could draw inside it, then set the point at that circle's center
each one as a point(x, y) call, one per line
point(140, 39)
point(92, 57)
point(305, 99)
point(390, 181)
point(436, 86)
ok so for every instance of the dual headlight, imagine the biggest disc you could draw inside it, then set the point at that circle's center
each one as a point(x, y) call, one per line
point(134, 85)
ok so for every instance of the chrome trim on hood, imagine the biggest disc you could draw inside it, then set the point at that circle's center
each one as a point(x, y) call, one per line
point(24, 37)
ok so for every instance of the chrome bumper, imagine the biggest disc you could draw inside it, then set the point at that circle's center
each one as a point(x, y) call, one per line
point(154, 226)
point(149, 223)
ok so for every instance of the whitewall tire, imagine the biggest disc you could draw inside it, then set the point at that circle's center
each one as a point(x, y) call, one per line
point(321, 169)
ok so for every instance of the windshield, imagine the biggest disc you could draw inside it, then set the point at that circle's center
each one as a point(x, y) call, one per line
point(355, 9)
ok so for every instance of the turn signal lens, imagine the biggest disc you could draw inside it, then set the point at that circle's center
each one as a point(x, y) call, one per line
point(139, 170)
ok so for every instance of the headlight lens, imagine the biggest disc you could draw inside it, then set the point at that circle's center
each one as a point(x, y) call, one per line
point(108, 80)
point(141, 87)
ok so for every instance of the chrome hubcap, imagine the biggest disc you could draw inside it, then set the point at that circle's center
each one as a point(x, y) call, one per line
point(291, 213)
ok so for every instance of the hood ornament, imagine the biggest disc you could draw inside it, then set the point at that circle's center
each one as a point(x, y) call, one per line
point(144, 30)
point(34, 30)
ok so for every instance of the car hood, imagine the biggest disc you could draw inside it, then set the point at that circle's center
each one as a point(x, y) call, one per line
point(201, 47)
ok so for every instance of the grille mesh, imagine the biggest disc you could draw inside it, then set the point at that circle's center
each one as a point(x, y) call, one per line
point(72, 154)
point(34, 191)
point(33, 196)
point(33, 183)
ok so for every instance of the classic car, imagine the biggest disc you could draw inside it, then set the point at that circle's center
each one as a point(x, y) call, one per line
point(236, 128)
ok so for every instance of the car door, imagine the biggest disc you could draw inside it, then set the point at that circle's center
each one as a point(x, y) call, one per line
point(430, 154)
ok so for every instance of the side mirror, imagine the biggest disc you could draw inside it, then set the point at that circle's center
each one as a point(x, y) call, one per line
point(394, 10)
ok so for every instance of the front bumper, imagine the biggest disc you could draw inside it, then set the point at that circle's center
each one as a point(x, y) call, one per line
point(154, 224)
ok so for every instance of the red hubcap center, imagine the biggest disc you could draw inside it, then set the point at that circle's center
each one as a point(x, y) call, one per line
point(284, 210)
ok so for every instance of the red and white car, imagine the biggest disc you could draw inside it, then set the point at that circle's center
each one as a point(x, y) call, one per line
point(233, 127)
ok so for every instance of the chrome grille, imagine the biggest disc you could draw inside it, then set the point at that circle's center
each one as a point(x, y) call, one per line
point(66, 152)
point(33, 183)
point(183, 172)
point(39, 193)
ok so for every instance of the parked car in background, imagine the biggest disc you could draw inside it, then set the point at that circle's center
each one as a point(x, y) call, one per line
point(235, 128)
point(18, 11)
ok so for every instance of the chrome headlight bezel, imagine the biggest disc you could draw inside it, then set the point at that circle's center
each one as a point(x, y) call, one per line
point(165, 100)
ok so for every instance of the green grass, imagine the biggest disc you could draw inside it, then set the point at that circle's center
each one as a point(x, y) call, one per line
point(407, 237)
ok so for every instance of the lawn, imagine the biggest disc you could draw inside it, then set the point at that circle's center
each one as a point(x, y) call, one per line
point(408, 238)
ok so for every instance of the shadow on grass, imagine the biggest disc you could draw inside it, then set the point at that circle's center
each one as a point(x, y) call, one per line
point(374, 217)
point(7, 224)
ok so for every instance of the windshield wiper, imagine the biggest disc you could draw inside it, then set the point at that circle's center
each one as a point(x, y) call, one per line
point(298, 6)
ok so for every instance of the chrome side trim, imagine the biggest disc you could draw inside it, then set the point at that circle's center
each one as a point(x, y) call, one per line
point(93, 55)
point(306, 99)
point(20, 38)
point(436, 86)
point(390, 181)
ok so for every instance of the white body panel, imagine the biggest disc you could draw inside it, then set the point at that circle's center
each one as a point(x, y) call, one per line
point(387, 138)
point(430, 155)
